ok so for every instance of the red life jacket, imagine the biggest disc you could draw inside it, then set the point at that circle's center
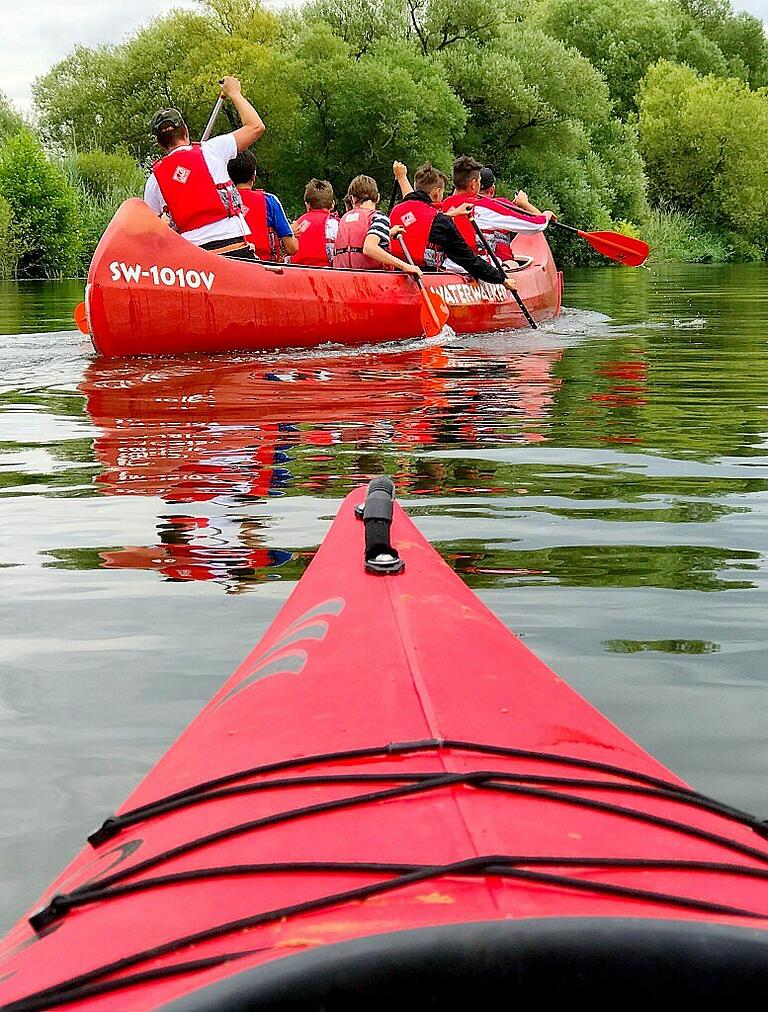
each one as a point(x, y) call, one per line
point(192, 198)
point(416, 217)
point(500, 240)
point(462, 223)
point(310, 231)
point(263, 238)
point(348, 249)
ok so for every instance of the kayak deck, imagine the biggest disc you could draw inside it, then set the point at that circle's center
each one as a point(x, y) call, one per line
point(388, 757)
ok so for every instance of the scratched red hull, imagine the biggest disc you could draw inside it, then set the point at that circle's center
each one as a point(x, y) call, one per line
point(410, 731)
point(150, 292)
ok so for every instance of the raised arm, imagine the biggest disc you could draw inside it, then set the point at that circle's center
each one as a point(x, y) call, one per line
point(401, 175)
point(253, 125)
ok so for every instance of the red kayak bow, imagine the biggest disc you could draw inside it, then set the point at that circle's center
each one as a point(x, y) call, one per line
point(393, 800)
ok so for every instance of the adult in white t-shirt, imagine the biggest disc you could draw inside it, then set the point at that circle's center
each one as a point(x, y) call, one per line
point(191, 182)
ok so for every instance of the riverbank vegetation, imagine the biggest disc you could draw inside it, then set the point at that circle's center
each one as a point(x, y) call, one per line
point(647, 115)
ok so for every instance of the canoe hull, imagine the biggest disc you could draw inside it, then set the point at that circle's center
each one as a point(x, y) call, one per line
point(151, 292)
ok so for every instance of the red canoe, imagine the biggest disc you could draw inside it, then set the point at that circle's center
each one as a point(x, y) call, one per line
point(393, 800)
point(150, 292)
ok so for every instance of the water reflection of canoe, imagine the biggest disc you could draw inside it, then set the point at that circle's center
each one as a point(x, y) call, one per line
point(393, 804)
point(211, 435)
point(150, 292)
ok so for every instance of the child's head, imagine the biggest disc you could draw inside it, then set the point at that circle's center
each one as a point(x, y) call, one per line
point(318, 195)
point(363, 188)
point(431, 181)
point(466, 174)
point(242, 169)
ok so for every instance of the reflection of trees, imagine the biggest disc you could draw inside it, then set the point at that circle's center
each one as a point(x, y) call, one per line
point(687, 376)
point(674, 567)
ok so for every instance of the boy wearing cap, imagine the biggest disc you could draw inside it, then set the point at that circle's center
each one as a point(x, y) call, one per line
point(431, 234)
point(500, 220)
point(191, 183)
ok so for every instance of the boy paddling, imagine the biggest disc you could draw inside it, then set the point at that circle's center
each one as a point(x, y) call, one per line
point(431, 234)
point(190, 183)
point(500, 220)
point(365, 232)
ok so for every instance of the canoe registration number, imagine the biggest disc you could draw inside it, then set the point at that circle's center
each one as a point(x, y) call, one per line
point(133, 274)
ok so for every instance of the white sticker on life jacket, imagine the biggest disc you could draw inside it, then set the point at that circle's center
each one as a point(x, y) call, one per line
point(352, 215)
point(409, 218)
point(181, 175)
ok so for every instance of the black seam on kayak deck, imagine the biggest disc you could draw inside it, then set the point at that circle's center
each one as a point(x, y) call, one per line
point(115, 824)
point(61, 904)
point(57, 994)
point(694, 800)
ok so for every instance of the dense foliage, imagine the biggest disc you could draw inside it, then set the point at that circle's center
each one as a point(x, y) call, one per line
point(583, 103)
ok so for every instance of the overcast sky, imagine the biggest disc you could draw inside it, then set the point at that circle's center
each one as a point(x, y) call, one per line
point(37, 33)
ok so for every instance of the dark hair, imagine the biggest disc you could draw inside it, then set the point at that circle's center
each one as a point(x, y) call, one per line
point(363, 188)
point(318, 194)
point(465, 169)
point(170, 136)
point(427, 177)
point(242, 169)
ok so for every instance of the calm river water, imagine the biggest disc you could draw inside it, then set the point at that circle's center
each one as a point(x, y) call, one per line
point(601, 483)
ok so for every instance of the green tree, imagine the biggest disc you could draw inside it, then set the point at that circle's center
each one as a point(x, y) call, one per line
point(740, 37)
point(10, 120)
point(43, 205)
point(704, 141)
point(623, 38)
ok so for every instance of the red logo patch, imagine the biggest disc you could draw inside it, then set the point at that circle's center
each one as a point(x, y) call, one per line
point(181, 175)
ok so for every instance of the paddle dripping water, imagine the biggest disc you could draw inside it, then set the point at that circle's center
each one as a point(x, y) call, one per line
point(339, 829)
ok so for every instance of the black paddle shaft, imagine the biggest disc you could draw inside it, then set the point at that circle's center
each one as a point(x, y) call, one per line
point(531, 322)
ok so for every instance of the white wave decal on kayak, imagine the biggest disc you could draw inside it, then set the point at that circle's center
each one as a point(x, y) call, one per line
point(312, 625)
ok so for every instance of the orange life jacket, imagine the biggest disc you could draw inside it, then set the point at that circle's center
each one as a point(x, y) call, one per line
point(263, 238)
point(310, 232)
point(192, 198)
point(348, 249)
point(463, 223)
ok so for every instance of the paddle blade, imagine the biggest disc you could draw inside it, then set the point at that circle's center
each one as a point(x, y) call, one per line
point(625, 249)
point(434, 312)
point(80, 318)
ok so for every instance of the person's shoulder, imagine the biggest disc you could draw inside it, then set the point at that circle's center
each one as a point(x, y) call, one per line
point(224, 146)
point(273, 200)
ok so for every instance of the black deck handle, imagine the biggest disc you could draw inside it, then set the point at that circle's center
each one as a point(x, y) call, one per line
point(376, 514)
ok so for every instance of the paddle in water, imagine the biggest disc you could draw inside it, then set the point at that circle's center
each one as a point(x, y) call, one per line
point(81, 318)
point(434, 311)
point(524, 309)
point(625, 249)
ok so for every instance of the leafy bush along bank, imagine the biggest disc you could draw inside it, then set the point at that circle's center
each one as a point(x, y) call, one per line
point(601, 109)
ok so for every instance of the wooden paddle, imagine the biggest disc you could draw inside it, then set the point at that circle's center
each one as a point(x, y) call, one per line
point(523, 308)
point(625, 249)
point(434, 311)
